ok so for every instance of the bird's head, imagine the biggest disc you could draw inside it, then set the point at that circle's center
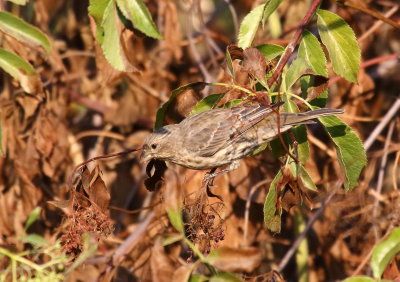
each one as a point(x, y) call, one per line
point(159, 144)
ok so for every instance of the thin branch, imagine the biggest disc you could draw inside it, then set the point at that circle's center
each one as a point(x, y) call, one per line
point(371, 13)
point(382, 174)
point(293, 43)
point(310, 223)
point(386, 119)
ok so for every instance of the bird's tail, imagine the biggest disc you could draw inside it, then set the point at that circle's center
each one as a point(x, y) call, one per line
point(306, 118)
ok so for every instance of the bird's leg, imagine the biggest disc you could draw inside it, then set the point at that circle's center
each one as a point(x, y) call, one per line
point(209, 177)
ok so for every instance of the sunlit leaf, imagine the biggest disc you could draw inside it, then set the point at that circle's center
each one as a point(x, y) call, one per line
point(299, 171)
point(270, 51)
point(349, 149)
point(296, 69)
point(112, 45)
point(311, 51)
point(19, 2)
point(21, 70)
point(172, 238)
point(207, 103)
point(272, 214)
point(137, 12)
point(23, 31)
point(270, 7)
point(175, 217)
point(384, 252)
point(249, 26)
point(341, 43)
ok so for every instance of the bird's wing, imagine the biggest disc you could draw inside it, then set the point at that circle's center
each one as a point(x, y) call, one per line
point(207, 132)
point(216, 129)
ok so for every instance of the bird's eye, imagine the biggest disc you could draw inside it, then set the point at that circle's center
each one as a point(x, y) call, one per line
point(154, 146)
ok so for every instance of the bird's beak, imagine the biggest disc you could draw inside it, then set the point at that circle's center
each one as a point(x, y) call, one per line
point(144, 157)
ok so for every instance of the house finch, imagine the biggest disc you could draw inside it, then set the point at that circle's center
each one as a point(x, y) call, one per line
point(222, 136)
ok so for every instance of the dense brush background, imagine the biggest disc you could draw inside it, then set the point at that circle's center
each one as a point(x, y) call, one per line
point(90, 109)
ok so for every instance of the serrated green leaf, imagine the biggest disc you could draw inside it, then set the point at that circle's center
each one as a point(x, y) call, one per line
point(175, 217)
point(161, 111)
point(270, 51)
point(349, 149)
point(249, 26)
point(359, 279)
point(384, 252)
point(269, 8)
point(137, 12)
point(35, 240)
point(272, 215)
point(111, 44)
point(311, 51)
point(294, 72)
point(21, 70)
point(96, 10)
point(341, 43)
point(23, 31)
point(207, 103)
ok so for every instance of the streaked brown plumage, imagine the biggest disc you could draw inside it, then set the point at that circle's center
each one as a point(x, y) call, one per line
point(222, 136)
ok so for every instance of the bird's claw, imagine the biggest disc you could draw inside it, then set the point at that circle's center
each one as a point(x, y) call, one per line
point(208, 179)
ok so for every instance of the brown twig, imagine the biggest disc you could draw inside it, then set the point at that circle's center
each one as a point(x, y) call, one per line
point(378, 129)
point(371, 13)
point(293, 43)
point(310, 223)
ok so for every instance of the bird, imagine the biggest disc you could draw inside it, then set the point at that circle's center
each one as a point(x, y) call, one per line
point(223, 136)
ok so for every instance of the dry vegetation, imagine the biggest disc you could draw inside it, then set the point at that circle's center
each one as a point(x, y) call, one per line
point(88, 109)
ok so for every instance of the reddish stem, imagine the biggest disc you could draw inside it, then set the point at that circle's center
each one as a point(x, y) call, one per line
point(293, 43)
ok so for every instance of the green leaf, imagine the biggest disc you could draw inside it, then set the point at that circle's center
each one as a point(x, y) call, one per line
point(137, 12)
point(341, 43)
point(269, 8)
point(295, 71)
point(359, 279)
point(232, 103)
point(299, 171)
point(33, 216)
point(111, 43)
point(311, 51)
point(172, 238)
point(207, 103)
point(349, 149)
point(19, 69)
point(384, 252)
point(270, 51)
point(225, 277)
point(35, 240)
point(175, 217)
point(198, 278)
point(19, 2)
point(299, 132)
point(229, 63)
point(23, 31)
point(162, 110)
point(249, 26)
point(272, 215)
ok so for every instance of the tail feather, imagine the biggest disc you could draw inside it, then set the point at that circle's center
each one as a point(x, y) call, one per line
point(305, 118)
